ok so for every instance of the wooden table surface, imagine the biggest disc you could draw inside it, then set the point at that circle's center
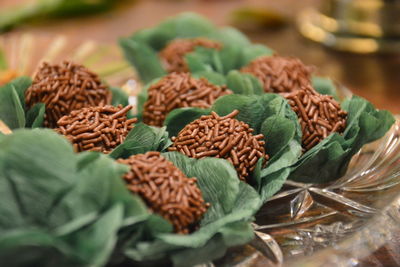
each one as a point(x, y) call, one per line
point(374, 77)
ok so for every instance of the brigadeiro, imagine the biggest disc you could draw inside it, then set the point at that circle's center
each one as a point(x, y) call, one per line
point(65, 87)
point(280, 74)
point(166, 190)
point(96, 128)
point(173, 55)
point(319, 115)
point(178, 90)
point(222, 137)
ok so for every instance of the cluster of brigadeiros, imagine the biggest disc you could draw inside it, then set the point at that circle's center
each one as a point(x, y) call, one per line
point(78, 106)
point(282, 75)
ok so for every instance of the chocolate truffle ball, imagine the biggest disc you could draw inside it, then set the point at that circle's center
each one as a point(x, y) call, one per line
point(173, 55)
point(222, 137)
point(166, 190)
point(279, 74)
point(65, 87)
point(178, 90)
point(96, 128)
point(319, 115)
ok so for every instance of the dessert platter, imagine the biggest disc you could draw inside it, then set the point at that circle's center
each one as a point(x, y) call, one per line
point(227, 154)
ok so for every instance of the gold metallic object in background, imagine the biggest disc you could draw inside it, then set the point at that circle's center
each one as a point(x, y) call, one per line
point(360, 26)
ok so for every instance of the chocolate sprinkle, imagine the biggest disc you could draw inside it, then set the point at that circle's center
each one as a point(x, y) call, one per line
point(222, 137)
point(173, 55)
point(96, 128)
point(65, 87)
point(280, 74)
point(319, 115)
point(166, 190)
point(178, 90)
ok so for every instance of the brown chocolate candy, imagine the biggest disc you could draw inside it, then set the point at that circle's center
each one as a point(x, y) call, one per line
point(65, 87)
point(319, 115)
point(280, 74)
point(96, 128)
point(178, 90)
point(222, 137)
point(166, 190)
point(173, 55)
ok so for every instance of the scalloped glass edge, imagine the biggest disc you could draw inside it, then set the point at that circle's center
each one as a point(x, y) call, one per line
point(379, 173)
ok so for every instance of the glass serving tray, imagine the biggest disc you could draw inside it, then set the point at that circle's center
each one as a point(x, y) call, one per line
point(332, 224)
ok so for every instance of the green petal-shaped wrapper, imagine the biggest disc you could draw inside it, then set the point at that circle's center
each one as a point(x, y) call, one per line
point(142, 48)
point(325, 86)
point(141, 139)
point(59, 207)
point(119, 97)
point(232, 56)
point(329, 159)
point(12, 103)
point(15, 114)
point(269, 114)
point(243, 84)
point(225, 224)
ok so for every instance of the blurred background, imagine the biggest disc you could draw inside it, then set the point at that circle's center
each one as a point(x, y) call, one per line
point(373, 76)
